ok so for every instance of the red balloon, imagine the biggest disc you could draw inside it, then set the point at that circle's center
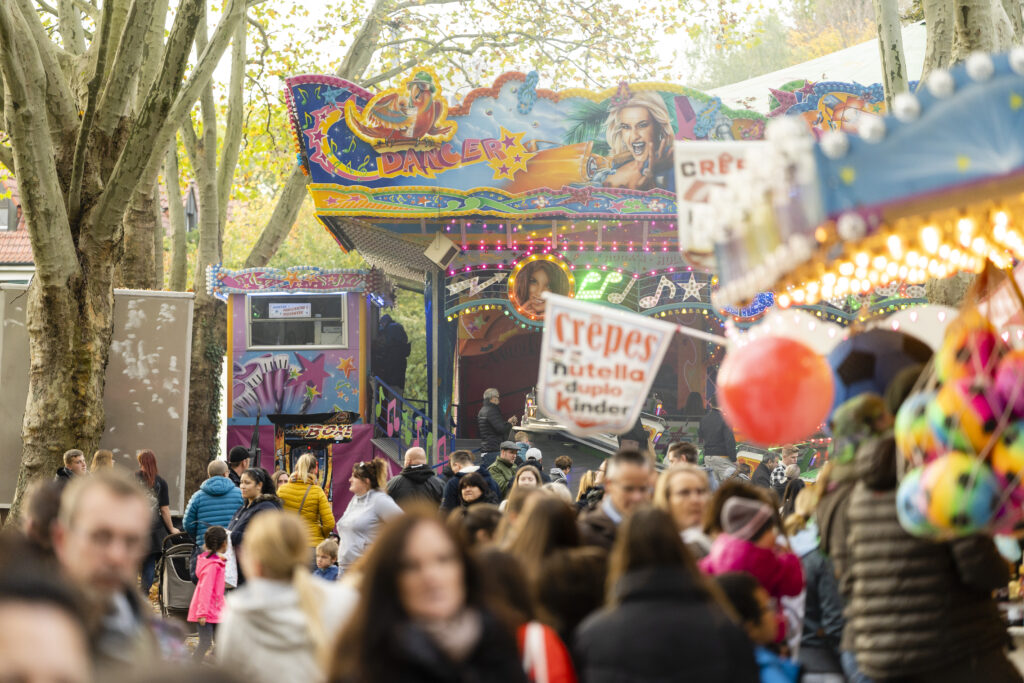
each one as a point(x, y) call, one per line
point(775, 390)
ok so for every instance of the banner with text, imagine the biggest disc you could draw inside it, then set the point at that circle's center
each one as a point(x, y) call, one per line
point(597, 364)
point(701, 167)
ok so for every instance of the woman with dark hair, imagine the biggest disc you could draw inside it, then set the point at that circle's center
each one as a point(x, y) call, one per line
point(258, 496)
point(162, 526)
point(546, 525)
point(473, 490)
point(542, 651)
point(533, 280)
point(366, 511)
point(662, 612)
point(475, 526)
point(422, 614)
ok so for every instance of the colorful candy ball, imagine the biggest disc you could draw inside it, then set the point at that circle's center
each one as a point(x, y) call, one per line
point(912, 505)
point(1007, 456)
point(1009, 384)
point(962, 493)
point(971, 348)
point(964, 415)
point(914, 437)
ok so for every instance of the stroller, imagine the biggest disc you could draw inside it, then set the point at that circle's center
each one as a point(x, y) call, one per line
point(174, 585)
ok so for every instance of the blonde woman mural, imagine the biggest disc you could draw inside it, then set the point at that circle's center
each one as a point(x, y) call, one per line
point(639, 131)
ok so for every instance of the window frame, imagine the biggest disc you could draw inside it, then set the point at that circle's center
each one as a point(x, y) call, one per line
point(298, 296)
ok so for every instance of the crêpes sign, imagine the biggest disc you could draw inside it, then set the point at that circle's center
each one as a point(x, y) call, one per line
point(597, 364)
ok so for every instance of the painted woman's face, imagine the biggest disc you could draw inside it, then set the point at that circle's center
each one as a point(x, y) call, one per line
point(538, 284)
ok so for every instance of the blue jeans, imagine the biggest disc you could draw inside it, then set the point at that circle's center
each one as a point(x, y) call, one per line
point(849, 661)
point(148, 572)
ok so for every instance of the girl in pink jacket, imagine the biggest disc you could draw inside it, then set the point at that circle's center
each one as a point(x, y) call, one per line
point(747, 544)
point(208, 598)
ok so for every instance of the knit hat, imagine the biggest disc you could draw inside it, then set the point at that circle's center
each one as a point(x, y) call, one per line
point(743, 518)
point(532, 453)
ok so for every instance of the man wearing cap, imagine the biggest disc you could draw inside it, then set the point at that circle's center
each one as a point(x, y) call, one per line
point(238, 462)
point(503, 469)
point(532, 458)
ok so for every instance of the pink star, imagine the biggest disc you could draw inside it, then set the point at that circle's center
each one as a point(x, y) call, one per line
point(312, 373)
point(508, 141)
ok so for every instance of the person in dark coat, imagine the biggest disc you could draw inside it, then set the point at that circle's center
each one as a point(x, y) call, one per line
point(390, 353)
point(462, 464)
point(493, 427)
point(533, 458)
point(258, 495)
point(763, 472)
point(719, 443)
point(919, 610)
point(422, 615)
point(417, 482)
point(74, 466)
point(663, 622)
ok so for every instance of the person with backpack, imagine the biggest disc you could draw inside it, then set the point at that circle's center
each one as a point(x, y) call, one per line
point(214, 504)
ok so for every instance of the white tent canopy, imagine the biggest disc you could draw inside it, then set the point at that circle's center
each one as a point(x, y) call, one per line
point(858, 64)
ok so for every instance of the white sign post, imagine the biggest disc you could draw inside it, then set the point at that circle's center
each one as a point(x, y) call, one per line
point(597, 364)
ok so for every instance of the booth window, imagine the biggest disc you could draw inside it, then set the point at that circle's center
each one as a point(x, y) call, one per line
point(300, 320)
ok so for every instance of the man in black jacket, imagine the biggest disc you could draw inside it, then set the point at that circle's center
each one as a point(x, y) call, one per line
point(417, 482)
point(390, 353)
point(763, 474)
point(493, 427)
point(719, 443)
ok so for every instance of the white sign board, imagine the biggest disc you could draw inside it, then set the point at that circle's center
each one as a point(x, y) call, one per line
point(291, 310)
point(701, 167)
point(597, 364)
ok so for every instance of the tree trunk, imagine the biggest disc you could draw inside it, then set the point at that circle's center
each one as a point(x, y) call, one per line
point(956, 28)
point(890, 47)
point(70, 326)
point(158, 240)
point(938, 53)
point(176, 214)
point(286, 211)
point(209, 344)
point(137, 266)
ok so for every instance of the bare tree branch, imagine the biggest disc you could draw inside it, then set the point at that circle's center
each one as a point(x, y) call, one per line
point(144, 141)
point(286, 211)
point(69, 19)
point(42, 200)
point(78, 162)
point(233, 124)
point(191, 143)
point(117, 92)
point(7, 157)
point(59, 102)
point(176, 214)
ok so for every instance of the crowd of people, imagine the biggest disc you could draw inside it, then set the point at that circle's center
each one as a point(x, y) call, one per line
point(653, 571)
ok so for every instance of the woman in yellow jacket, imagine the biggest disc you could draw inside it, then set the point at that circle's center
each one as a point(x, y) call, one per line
point(303, 495)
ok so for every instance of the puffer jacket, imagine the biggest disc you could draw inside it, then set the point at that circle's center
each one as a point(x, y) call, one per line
point(917, 606)
point(214, 504)
point(316, 513)
point(416, 484)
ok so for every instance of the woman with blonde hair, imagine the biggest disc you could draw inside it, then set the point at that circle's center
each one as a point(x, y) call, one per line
point(304, 496)
point(367, 510)
point(527, 477)
point(279, 626)
point(101, 460)
point(683, 491)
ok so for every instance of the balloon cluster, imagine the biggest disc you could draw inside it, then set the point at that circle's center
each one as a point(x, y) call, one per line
point(963, 433)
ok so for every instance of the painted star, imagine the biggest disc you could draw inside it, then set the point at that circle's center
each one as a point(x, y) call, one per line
point(1016, 101)
point(509, 140)
point(963, 163)
point(313, 373)
point(691, 289)
point(346, 365)
point(847, 174)
point(294, 373)
point(293, 279)
point(311, 392)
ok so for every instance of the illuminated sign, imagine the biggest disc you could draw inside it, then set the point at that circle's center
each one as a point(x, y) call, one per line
point(319, 432)
point(532, 277)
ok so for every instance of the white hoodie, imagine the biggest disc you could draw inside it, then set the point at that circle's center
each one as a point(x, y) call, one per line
point(263, 635)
